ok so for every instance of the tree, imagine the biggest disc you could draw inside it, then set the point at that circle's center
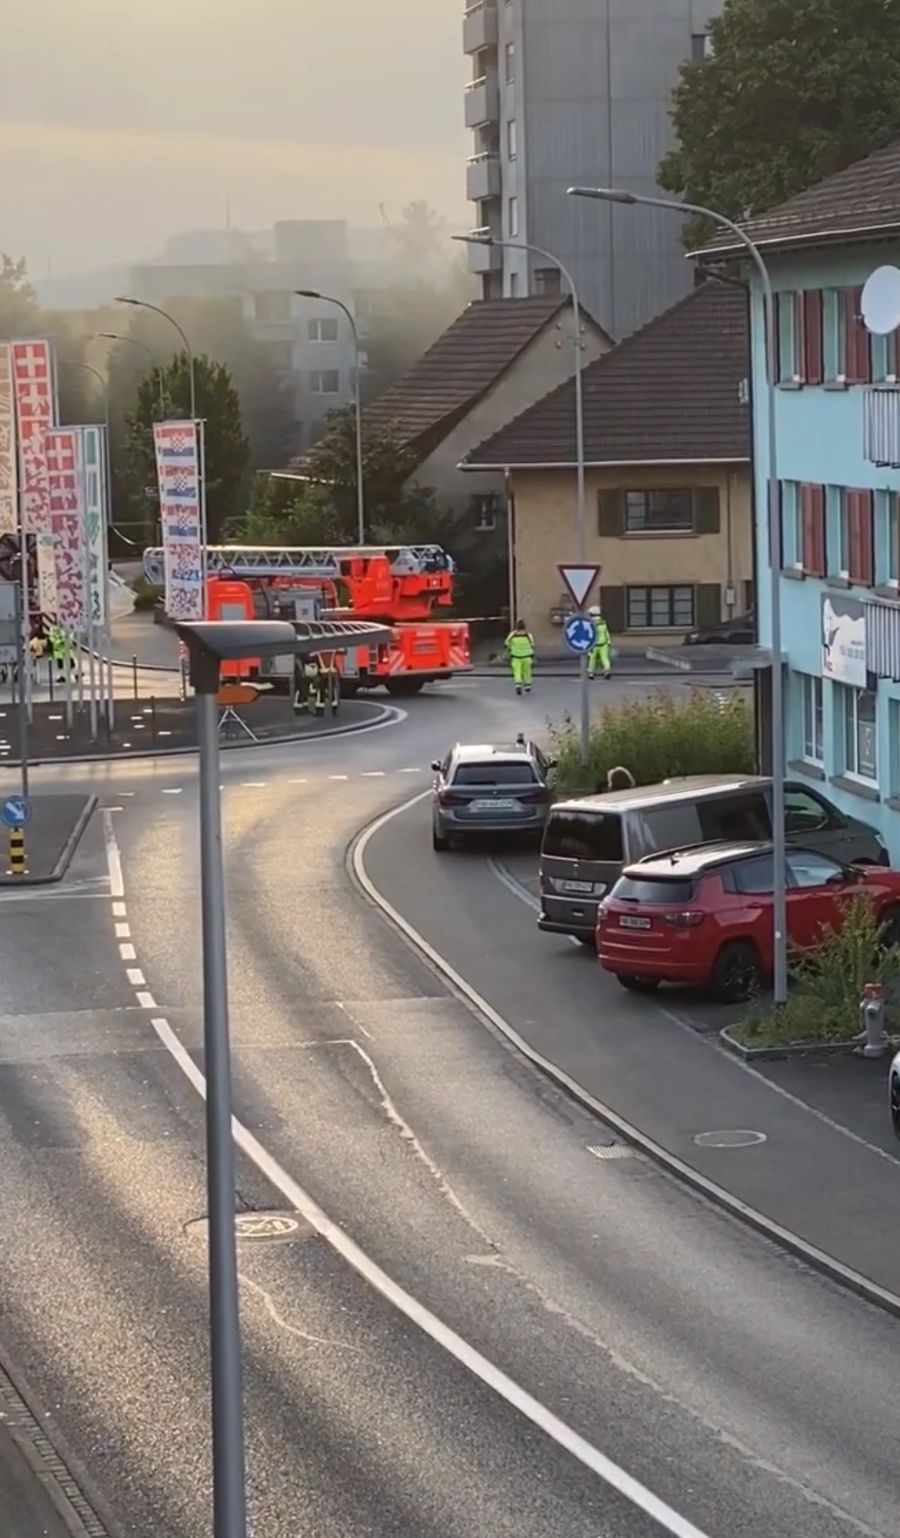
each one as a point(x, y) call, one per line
point(407, 318)
point(20, 314)
point(421, 236)
point(794, 90)
point(226, 450)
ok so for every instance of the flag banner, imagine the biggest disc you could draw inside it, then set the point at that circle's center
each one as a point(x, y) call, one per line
point(177, 447)
point(65, 476)
point(9, 509)
point(34, 391)
point(95, 498)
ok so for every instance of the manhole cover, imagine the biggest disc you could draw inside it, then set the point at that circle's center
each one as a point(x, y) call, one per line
point(259, 1227)
point(737, 1138)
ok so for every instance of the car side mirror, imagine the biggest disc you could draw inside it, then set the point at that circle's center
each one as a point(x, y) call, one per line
point(436, 766)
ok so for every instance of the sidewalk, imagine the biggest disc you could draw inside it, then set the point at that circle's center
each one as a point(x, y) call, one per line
point(27, 1508)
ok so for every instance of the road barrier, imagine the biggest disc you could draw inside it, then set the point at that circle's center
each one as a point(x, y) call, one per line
point(18, 864)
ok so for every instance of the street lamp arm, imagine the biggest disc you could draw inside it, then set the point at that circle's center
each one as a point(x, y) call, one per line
point(143, 304)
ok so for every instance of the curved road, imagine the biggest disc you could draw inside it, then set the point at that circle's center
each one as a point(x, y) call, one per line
point(588, 1348)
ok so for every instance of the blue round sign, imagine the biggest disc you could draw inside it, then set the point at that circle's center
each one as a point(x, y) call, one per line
point(579, 633)
point(15, 811)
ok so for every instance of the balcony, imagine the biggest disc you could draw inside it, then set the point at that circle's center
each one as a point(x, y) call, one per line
point(483, 177)
point(881, 427)
point(480, 27)
point(484, 258)
point(483, 101)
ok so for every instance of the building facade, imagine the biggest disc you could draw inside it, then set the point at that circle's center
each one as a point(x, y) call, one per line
point(569, 91)
point(838, 445)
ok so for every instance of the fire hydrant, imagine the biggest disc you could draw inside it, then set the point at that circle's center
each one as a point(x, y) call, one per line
point(873, 1036)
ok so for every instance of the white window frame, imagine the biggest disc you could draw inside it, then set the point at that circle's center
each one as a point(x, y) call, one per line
point(317, 379)
point(509, 63)
point(648, 589)
point(314, 329)
point(850, 731)
point(512, 217)
point(812, 717)
point(512, 139)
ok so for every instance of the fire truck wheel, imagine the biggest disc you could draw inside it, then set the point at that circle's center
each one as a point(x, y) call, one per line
point(405, 685)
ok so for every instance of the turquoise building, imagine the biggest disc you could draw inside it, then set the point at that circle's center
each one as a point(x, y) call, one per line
point(838, 437)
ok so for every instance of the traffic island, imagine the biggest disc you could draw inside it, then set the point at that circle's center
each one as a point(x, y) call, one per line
point(145, 727)
point(38, 850)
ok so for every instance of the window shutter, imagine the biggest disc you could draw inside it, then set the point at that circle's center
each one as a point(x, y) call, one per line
point(706, 510)
point(859, 362)
point(860, 513)
point(708, 605)
point(813, 358)
point(611, 514)
point(812, 515)
point(612, 602)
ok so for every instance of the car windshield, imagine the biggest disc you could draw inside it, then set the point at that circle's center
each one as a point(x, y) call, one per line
point(654, 889)
point(576, 835)
point(495, 774)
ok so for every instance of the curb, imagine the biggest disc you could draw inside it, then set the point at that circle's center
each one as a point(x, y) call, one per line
point(784, 1238)
point(65, 856)
point(797, 1049)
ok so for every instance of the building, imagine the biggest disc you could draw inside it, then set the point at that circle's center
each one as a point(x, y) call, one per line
point(496, 359)
point(578, 91)
point(838, 435)
point(667, 448)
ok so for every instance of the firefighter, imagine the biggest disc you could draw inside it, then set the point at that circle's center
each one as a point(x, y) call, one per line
point(520, 647)
point(598, 658)
point(59, 649)
point(310, 691)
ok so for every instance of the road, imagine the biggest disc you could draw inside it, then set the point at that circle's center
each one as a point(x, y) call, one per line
point(568, 1317)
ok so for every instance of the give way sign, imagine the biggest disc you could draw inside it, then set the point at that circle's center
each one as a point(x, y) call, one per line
point(579, 580)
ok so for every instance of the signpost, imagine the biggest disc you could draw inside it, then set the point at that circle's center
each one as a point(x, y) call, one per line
point(579, 578)
point(15, 814)
point(579, 633)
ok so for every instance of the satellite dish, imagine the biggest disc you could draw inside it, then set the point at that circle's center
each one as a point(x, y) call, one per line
point(881, 301)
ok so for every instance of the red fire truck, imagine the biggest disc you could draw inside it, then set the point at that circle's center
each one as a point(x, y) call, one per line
point(403, 586)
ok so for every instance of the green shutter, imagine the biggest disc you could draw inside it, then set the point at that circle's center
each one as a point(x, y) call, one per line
point(611, 513)
point(612, 602)
point(706, 510)
point(709, 605)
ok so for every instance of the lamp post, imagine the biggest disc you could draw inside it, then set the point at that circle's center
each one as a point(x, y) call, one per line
point(312, 293)
point(580, 502)
point(779, 898)
point(142, 304)
point(132, 341)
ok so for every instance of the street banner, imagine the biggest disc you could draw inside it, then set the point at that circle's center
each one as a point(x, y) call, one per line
point(95, 498)
point(65, 475)
point(178, 459)
point(9, 512)
point(34, 390)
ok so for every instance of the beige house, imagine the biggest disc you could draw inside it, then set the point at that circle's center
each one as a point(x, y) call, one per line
point(667, 449)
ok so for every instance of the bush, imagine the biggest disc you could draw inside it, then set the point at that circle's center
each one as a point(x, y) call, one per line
point(827, 985)
point(659, 737)
point(145, 594)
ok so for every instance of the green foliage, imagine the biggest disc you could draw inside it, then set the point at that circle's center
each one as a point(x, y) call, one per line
point(658, 738)
point(827, 985)
point(795, 90)
point(408, 316)
point(145, 594)
point(20, 314)
point(226, 450)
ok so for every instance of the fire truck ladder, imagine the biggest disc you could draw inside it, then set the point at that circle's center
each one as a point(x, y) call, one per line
point(247, 561)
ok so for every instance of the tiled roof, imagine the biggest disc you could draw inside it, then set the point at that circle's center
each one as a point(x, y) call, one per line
point(862, 200)
point(672, 392)
point(461, 365)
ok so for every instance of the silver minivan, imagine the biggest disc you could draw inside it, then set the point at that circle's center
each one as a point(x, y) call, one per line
point(587, 841)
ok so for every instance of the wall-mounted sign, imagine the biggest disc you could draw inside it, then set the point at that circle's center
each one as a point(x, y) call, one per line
point(843, 640)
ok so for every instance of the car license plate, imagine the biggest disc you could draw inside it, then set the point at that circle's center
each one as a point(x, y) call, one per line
point(578, 886)
point(499, 805)
point(630, 921)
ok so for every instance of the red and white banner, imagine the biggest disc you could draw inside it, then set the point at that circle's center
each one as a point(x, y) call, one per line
point(9, 511)
point(34, 391)
point(65, 476)
point(178, 458)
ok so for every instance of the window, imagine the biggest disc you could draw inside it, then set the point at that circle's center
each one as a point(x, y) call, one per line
point(806, 869)
point(813, 738)
point(485, 507)
point(272, 306)
point(584, 836)
point(847, 353)
point(509, 54)
point(658, 512)
point(644, 889)
point(804, 813)
point(701, 47)
point(788, 319)
point(659, 608)
point(512, 139)
point(856, 709)
point(325, 381)
point(281, 356)
point(324, 328)
point(547, 280)
point(813, 369)
point(857, 537)
point(512, 217)
point(745, 814)
point(514, 285)
point(856, 346)
point(893, 535)
point(495, 773)
point(791, 527)
point(752, 876)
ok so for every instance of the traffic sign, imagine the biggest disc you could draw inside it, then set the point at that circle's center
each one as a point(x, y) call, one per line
point(579, 580)
point(579, 633)
point(15, 811)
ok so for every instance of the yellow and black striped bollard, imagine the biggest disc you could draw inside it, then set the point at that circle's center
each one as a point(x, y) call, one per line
point(17, 860)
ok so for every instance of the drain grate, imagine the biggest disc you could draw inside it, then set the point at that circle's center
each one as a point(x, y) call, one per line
point(612, 1151)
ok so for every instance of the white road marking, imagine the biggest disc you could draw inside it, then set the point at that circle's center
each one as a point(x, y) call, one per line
point(136, 977)
point(467, 1355)
point(127, 951)
point(339, 777)
point(372, 774)
point(123, 931)
point(297, 782)
point(173, 790)
point(113, 861)
point(253, 784)
point(119, 910)
point(416, 769)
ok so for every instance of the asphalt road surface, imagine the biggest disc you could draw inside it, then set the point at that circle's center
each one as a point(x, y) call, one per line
point(517, 1327)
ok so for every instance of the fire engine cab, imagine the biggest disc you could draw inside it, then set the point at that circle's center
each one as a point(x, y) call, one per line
point(403, 586)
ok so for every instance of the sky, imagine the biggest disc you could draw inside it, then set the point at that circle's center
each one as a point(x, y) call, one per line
point(122, 123)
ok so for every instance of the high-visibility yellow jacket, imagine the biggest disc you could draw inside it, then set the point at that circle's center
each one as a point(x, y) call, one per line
point(520, 643)
point(601, 632)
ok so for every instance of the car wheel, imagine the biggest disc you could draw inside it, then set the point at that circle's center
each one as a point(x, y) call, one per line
point(894, 1095)
point(890, 927)
point(638, 984)
point(439, 842)
point(736, 974)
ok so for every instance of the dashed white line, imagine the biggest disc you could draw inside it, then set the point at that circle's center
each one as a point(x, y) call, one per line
point(372, 774)
point(253, 784)
point(172, 790)
point(416, 769)
point(135, 977)
point(146, 1000)
point(123, 931)
point(339, 777)
point(119, 910)
point(127, 950)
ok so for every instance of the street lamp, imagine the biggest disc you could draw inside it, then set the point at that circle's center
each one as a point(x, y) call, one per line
point(580, 505)
point(142, 304)
point(779, 898)
point(132, 341)
point(210, 643)
point(312, 293)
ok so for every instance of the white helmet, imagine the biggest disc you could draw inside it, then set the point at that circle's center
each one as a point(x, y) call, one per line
point(594, 611)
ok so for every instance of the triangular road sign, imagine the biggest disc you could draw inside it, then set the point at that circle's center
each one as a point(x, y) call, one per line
point(579, 580)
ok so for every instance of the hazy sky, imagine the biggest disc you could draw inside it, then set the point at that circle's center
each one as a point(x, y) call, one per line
point(122, 122)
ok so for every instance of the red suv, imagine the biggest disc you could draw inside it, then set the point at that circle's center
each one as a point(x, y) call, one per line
point(704, 915)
